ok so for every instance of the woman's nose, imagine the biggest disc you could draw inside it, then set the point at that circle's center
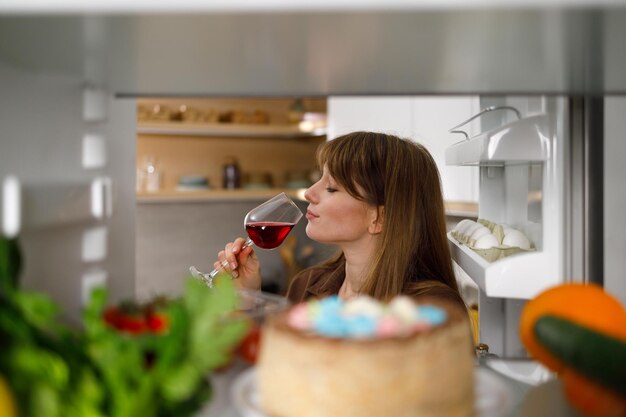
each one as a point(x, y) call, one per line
point(309, 194)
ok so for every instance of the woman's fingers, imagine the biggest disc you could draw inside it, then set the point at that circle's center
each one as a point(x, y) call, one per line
point(230, 256)
point(238, 244)
point(220, 258)
point(234, 257)
point(223, 261)
point(244, 254)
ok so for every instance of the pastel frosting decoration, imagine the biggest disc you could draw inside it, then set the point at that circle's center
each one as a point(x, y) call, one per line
point(363, 317)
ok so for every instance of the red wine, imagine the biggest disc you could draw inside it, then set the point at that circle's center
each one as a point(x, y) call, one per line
point(268, 235)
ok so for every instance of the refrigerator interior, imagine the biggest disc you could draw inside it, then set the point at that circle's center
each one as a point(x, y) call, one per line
point(67, 117)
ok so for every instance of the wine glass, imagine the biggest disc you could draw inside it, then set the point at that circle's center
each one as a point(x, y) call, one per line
point(267, 226)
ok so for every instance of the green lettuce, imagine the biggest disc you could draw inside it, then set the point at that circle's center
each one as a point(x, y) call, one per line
point(98, 371)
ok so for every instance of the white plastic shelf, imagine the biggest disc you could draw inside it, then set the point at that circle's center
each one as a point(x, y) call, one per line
point(521, 276)
point(525, 140)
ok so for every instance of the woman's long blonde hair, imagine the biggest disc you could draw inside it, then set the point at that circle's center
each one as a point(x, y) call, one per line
point(400, 177)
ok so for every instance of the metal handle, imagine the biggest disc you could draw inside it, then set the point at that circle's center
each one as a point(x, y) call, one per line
point(483, 111)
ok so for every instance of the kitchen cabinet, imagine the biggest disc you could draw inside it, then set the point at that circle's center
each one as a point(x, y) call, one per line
point(425, 119)
point(379, 114)
point(193, 137)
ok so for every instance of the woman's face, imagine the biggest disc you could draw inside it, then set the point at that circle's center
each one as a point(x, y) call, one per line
point(335, 217)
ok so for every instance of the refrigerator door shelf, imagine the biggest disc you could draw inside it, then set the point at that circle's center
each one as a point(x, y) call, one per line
point(31, 206)
point(527, 371)
point(525, 140)
point(520, 276)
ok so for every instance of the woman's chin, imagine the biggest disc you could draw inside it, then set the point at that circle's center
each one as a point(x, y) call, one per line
point(311, 234)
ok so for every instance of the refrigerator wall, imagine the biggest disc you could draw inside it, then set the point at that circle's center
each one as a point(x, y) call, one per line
point(614, 221)
point(66, 184)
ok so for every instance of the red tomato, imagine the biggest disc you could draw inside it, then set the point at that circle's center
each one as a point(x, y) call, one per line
point(157, 323)
point(248, 350)
point(134, 320)
point(112, 316)
point(134, 324)
point(120, 320)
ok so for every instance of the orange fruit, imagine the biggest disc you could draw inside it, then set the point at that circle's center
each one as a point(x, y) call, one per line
point(585, 304)
point(590, 398)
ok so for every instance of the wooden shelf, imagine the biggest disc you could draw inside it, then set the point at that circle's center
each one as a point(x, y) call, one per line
point(228, 130)
point(174, 196)
point(461, 209)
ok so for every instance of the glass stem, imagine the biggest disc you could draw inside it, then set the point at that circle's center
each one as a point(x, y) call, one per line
point(208, 277)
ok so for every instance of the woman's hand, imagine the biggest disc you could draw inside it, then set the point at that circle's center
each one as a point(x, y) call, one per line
point(242, 264)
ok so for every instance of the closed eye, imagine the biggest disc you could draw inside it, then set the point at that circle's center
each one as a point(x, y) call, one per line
point(331, 190)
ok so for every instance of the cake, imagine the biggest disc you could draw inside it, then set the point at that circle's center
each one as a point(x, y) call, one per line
point(408, 357)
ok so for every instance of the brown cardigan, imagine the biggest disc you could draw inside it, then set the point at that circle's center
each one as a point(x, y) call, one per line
point(320, 281)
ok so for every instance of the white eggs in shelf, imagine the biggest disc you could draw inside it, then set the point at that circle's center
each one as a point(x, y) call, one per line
point(487, 241)
point(471, 229)
point(464, 225)
point(516, 238)
point(490, 240)
point(479, 232)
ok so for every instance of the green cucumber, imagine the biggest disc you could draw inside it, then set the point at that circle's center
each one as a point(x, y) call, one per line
point(595, 355)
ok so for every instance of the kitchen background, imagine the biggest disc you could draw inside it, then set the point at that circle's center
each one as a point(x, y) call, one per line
point(214, 160)
point(187, 209)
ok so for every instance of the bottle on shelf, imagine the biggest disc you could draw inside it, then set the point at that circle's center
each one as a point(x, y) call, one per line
point(231, 175)
point(148, 176)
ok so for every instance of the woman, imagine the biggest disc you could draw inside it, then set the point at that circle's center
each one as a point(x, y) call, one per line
point(379, 200)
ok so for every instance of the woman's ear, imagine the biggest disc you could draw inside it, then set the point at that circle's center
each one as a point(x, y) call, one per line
point(377, 220)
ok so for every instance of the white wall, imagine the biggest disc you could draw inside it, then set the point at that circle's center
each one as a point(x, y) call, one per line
point(388, 114)
point(425, 119)
point(42, 129)
point(615, 197)
point(433, 117)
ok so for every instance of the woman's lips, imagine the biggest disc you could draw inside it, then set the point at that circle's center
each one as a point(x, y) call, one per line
point(310, 215)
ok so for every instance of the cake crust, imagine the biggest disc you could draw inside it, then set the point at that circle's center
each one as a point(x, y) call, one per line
point(427, 373)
